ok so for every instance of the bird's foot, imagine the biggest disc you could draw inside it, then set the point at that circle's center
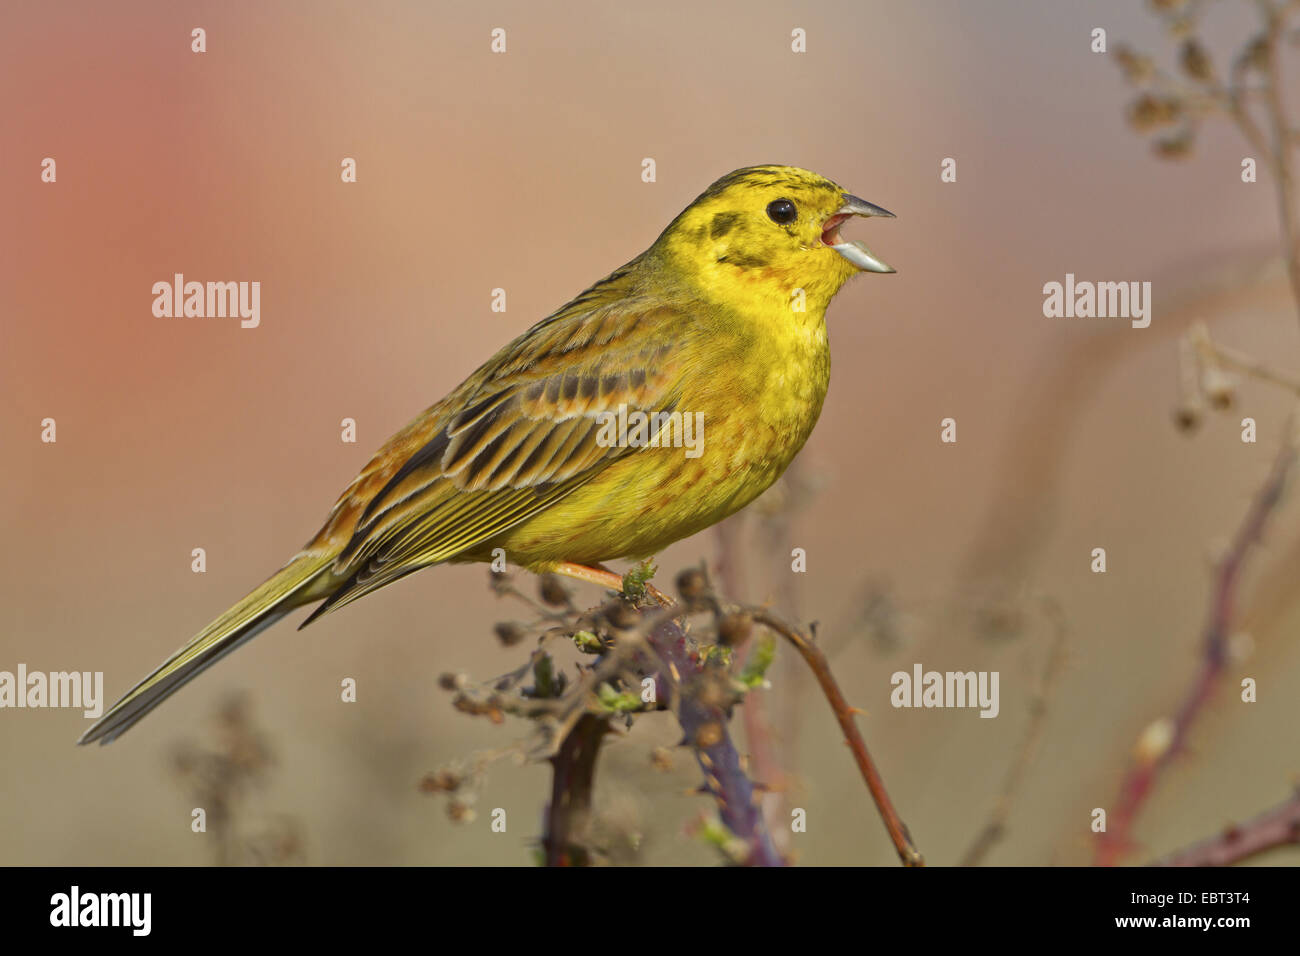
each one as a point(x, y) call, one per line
point(606, 578)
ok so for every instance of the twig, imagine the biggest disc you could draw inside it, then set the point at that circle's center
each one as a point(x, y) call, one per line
point(816, 661)
point(1143, 774)
point(1276, 19)
point(1211, 351)
point(1234, 100)
point(649, 639)
point(994, 829)
point(704, 725)
point(569, 812)
point(758, 732)
point(1273, 828)
point(1273, 140)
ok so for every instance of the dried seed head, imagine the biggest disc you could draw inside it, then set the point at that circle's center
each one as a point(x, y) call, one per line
point(509, 633)
point(1256, 55)
point(1219, 387)
point(1150, 111)
point(441, 781)
point(1177, 146)
point(692, 585)
point(734, 629)
point(622, 615)
point(460, 811)
point(499, 581)
point(1181, 26)
point(1188, 416)
point(1195, 61)
point(553, 592)
point(1137, 67)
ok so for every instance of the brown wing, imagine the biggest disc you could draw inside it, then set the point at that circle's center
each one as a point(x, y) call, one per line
point(516, 437)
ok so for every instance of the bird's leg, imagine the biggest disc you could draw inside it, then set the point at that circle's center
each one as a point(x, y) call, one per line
point(597, 575)
point(604, 577)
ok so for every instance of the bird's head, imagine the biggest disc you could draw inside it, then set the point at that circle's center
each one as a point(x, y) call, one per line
point(769, 230)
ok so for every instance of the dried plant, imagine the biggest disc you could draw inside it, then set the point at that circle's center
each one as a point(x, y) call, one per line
point(642, 653)
point(1174, 104)
point(1177, 104)
point(219, 780)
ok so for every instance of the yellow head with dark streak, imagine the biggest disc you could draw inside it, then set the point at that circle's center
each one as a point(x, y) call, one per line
point(763, 233)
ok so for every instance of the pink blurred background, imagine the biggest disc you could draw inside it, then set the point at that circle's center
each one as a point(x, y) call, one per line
point(522, 171)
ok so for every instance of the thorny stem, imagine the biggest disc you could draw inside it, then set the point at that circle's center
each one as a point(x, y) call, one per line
point(696, 691)
point(569, 812)
point(704, 728)
point(816, 661)
point(1277, 154)
point(659, 641)
point(1273, 828)
point(1143, 773)
point(765, 764)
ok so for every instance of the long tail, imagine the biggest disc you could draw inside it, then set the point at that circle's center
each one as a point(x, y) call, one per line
point(287, 589)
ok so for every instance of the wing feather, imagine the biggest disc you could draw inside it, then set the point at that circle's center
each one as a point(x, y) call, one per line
point(517, 437)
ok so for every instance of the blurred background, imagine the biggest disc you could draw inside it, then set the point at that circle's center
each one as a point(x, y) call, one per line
point(522, 171)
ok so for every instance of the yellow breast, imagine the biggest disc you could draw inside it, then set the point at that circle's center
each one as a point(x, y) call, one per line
point(754, 396)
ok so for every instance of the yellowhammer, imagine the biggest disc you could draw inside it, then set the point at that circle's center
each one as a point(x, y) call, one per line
point(716, 334)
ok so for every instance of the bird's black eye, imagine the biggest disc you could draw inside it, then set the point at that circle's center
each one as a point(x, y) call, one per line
point(782, 211)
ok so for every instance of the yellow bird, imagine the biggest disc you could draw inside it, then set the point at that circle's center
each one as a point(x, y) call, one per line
point(662, 399)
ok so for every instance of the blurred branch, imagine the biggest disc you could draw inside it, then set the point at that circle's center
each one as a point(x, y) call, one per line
point(1212, 354)
point(568, 815)
point(701, 710)
point(1182, 103)
point(217, 780)
point(995, 828)
point(635, 636)
point(1272, 829)
point(1150, 761)
point(1274, 142)
point(639, 636)
point(1276, 20)
point(770, 752)
point(758, 730)
point(816, 661)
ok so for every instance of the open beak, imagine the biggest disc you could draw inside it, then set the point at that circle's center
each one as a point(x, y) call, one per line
point(854, 250)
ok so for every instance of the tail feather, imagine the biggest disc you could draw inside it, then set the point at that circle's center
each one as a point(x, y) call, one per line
point(287, 589)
